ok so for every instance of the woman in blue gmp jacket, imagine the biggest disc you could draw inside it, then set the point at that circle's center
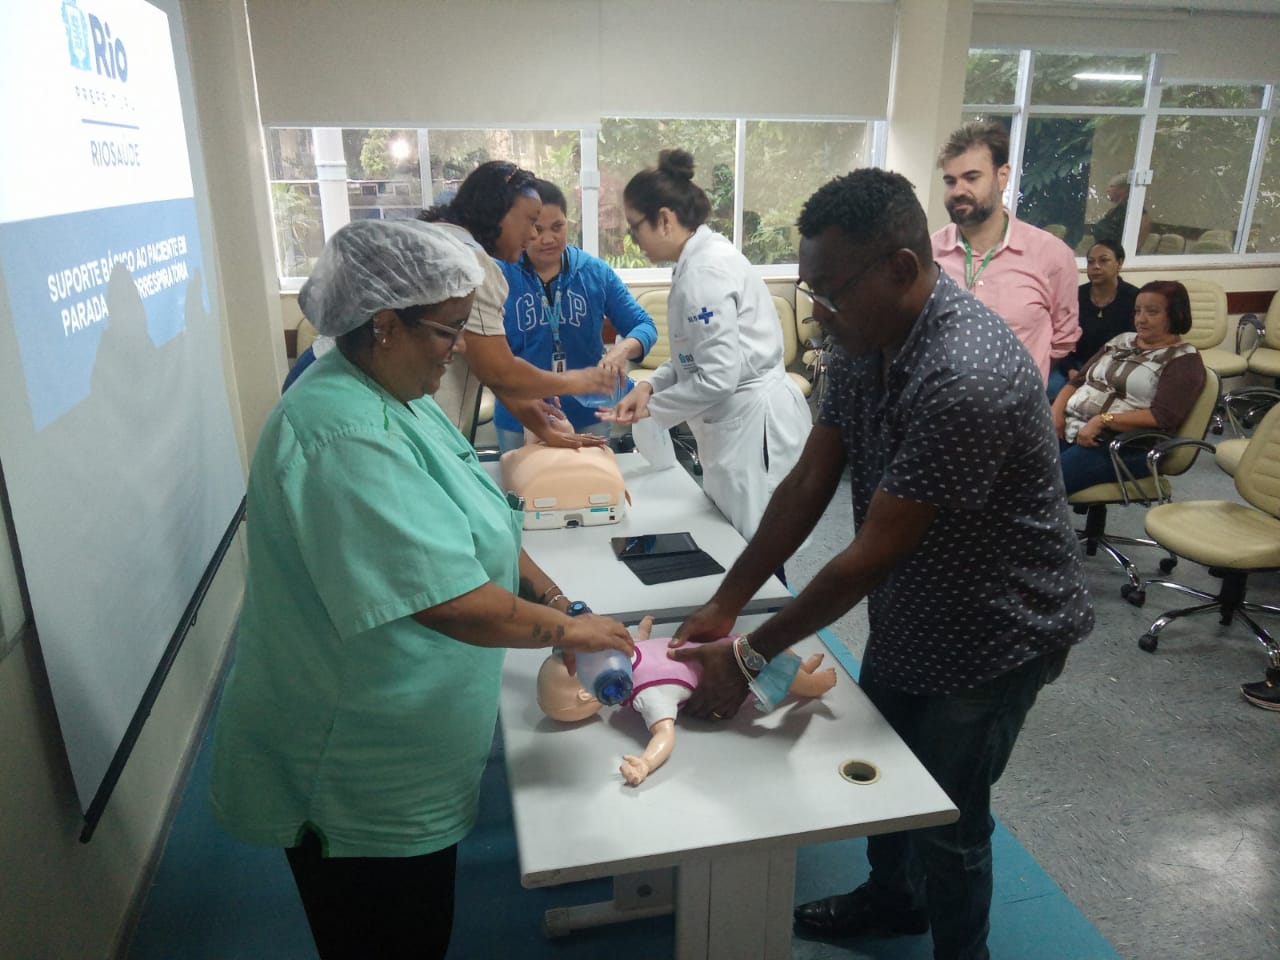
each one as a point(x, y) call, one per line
point(559, 298)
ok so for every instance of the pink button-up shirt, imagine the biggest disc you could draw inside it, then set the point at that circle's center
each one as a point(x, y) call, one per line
point(1031, 281)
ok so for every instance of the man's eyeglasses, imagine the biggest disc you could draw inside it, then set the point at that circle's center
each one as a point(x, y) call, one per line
point(453, 333)
point(634, 228)
point(828, 302)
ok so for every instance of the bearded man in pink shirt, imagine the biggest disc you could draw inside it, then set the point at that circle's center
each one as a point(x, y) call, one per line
point(1024, 274)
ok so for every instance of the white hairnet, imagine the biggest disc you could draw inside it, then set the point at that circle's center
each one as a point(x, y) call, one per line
point(372, 265)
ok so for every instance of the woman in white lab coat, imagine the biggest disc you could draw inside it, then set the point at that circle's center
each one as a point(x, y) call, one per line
point(725, 376)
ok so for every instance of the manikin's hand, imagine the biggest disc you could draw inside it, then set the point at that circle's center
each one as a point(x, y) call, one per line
point(634, 770)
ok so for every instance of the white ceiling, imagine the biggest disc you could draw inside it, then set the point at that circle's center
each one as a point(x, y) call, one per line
point(1188, 6)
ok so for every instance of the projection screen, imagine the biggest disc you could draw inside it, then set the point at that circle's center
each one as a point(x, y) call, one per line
point(116, 438)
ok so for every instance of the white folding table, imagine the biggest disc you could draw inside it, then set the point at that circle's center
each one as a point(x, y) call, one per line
point(582, 562)
point(712, 834)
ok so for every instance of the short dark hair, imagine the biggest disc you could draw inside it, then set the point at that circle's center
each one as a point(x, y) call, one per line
point(484, 198)
point(977, 133)
point(669, 184)
point(1177, 304)
point(551, 195)
point(871, 207)
point(1112, 245)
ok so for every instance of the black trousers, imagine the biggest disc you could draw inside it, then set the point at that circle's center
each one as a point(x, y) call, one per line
point(387, 907)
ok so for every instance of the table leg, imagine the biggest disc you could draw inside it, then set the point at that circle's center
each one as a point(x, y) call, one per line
point(650, 893)
point(736, 907)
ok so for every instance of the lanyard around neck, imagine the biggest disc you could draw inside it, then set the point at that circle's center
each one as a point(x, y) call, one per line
point(551, 310)
point(970, 275)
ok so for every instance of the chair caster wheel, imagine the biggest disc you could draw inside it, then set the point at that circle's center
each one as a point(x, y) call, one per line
point(1148, 642)
point(1167, 564)
point(1133, 594)
point(696, 468)
point(1216, 430)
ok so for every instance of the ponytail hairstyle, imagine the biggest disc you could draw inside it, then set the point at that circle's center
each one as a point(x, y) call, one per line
point(669, 185)
point(484, 198)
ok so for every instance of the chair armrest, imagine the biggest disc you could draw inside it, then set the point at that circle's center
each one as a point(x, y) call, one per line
point(1141, 438)
point(1248, 403)
point(1246, 321)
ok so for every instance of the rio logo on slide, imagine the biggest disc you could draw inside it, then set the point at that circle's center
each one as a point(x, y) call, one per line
point(90, 45)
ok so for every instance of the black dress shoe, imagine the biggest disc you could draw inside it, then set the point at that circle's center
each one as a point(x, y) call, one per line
point(857, 913)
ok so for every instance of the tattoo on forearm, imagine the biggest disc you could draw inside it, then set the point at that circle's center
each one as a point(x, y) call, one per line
point(548, 636)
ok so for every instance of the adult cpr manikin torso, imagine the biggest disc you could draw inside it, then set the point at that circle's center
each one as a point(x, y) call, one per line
point(563, 487)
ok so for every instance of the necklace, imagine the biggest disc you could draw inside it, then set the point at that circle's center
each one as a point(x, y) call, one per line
point(1102, 306)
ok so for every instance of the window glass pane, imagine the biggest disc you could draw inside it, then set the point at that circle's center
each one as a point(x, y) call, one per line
point(1067, 165)
point(554, 155)
point(1079, 80)
point(295, 200)
point(1201, 165)
point(1264, 233)
point(785, 163)
point(627, 146)
point(384, 181)
point(1197, 96)
point(992, 76)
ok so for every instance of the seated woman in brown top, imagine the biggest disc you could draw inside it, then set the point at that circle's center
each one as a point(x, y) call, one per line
point(1149, 379)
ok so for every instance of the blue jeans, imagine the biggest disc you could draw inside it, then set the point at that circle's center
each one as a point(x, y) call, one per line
point(964, 741)
point(1057, 380)
point(1085, 466)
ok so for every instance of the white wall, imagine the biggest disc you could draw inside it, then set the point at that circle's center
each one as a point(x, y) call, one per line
point(59, 898)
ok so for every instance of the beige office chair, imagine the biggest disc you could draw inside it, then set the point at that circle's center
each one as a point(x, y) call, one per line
point(815, 344)
point(1082, 248)
point(1170, 456)
point(1244, 409)
point(1231, 539)
point(1171, 243)
point(1208, 333)
point(654, 303)
point(1264, 359)
point(1150, 244)
point(791, 344)
point(1058, 230)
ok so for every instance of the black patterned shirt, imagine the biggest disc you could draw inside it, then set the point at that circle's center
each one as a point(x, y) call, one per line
point(960, 422)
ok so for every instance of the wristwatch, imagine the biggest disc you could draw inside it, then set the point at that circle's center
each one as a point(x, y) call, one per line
point(577, 607)
point(751, 659)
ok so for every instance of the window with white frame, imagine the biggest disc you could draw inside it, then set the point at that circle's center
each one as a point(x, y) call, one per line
point(1101, 149)
point(757, 174)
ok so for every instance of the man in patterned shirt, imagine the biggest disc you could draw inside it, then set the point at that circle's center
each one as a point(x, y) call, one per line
point(964, 546)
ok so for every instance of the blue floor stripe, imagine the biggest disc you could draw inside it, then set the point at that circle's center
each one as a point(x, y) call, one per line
point(216, 899)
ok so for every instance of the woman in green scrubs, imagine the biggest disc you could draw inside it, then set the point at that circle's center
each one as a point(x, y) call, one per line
point(385, 577)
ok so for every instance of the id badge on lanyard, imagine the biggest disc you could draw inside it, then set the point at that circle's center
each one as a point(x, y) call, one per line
point(559, 359)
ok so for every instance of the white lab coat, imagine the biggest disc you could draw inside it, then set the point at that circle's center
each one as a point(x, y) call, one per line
point(725, 377)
